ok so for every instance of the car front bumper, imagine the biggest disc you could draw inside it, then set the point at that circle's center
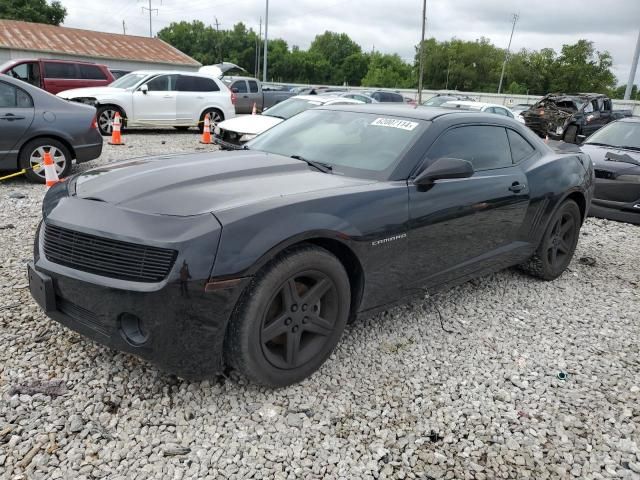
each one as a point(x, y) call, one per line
point(177, 324)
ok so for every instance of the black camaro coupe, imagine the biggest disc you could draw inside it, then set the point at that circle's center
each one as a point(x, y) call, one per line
point(257, 259)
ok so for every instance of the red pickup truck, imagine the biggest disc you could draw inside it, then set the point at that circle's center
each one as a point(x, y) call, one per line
point(57, 75)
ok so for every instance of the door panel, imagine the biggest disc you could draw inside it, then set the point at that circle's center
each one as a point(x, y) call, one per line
point(244, 103)
point(16, 115)
point(158, 106)
point(456, 221)
point(460, 226)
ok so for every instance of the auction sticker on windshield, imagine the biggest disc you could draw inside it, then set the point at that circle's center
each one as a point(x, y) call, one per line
point(394, 123)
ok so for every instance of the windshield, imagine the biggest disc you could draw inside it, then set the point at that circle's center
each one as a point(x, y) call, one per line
point(128, 80)
point(618, 134)
point(363, 145)
point(437, 101)
point(291, 107)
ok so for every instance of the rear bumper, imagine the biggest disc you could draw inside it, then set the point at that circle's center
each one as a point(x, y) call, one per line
point(84, 153)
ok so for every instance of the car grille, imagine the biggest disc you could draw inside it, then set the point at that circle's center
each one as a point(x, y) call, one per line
point(106, 257)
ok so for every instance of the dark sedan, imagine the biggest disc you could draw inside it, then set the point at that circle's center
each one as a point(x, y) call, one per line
point(33, 122)
point(258, 258)
point(615, 151)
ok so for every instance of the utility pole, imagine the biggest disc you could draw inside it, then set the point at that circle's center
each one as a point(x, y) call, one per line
point(151, 10)
point(634, 67)
point(424, 26)
point(124, 28)
point(258, 45)
point(219, 42)
point(506, 56)
point(266, 43)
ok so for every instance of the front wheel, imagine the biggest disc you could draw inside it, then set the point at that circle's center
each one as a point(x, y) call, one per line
point(571, 134)
point(290, 319)
point(558, 243)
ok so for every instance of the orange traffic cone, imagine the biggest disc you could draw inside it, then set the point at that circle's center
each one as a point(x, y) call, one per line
point(116, 137)
point(206, 131)
point(50, 174)
point(255, 110)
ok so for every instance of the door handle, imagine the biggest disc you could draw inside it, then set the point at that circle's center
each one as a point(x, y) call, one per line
point(10, 117)
point(517, 187)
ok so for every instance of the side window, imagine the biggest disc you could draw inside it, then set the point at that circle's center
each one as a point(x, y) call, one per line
point(590, 106)
point(520, 148)
point(253, 86)
point(27, 72)
point(486, 147)
point(607, 105)
point(206, 85)
point(162, 83)
point(7, 95)
point(187, 83)
point(241, 85)
point(60, 70)
point(91, 72)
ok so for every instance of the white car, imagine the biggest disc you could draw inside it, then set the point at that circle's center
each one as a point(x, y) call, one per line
point(483, 107)
point(233, 134)
point(158, 98)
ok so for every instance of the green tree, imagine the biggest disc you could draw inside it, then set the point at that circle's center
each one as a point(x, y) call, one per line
point(343, 54)
point(389, 71)
point(580, 68)
point(38, 11)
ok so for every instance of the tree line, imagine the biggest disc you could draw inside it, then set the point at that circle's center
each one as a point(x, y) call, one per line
point(335, 59)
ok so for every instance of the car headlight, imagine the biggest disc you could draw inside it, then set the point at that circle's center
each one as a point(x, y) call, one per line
point(247, 137)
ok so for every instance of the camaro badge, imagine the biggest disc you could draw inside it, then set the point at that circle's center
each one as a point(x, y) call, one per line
point(387, 240)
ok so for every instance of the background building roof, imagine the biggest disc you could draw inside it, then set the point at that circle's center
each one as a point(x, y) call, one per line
point(50, 39)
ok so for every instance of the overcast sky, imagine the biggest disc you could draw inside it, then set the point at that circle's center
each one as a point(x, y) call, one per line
point(391, 25)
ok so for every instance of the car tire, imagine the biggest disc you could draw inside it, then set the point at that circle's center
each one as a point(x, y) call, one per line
point(32, 153)
point(571, 134)
point(105, 115)
point(216, 117)
point(558, 243)
point(290, 318)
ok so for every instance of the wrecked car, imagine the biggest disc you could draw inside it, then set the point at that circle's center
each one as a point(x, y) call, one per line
point(571, 117)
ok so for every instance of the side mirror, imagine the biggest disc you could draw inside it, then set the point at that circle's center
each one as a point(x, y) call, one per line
point(235, 90)
point(144, 89)
point(444, 168)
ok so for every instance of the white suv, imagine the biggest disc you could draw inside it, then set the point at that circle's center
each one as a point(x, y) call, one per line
point(158, 98)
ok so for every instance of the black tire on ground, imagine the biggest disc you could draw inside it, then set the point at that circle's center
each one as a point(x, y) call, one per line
point(32, 153)
point(181, 128)
point(558, 243)
point(571, 134)
point(216, 116)
point(290, 318)
point(105, 115)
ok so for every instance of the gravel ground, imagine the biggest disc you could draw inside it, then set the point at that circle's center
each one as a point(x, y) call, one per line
point(464, 385)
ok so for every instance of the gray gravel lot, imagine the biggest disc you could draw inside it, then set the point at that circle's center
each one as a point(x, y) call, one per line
point(463, 385)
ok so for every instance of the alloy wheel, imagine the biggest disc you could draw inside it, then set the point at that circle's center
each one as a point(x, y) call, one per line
point(105, 120)
point(37, 158)
point(300, 320)
point(561, 240)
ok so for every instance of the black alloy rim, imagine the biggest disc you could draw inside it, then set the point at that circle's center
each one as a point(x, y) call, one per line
point(299, 320)
point(561, 240)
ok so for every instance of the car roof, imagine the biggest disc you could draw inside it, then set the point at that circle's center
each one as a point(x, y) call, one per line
point(472, 104)
point(172, 72)
point(417, 112)
point(322, 99)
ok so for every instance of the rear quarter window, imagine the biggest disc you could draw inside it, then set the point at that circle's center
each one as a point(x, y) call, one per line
point(91, 72)
point(521, 149)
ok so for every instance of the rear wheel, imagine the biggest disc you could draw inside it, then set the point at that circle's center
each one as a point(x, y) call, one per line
point(558, 243)
point(32, 155)
point(571, 134)
point(215, 116)
point(290, 319)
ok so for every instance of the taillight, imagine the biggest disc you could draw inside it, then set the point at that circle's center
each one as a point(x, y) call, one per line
point(94, 123)
point(234, 98)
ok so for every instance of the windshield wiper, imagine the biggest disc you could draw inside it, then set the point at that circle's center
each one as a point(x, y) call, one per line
point(598, 144)
point(274, 116)
point(614, 157)
point(323, 167)
point(628, 147)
